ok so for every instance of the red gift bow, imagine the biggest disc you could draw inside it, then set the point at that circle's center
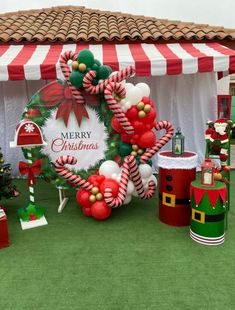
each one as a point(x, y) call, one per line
point(59, 94)
point(30, 170)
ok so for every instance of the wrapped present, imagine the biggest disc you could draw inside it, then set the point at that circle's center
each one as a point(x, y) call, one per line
point(4, 242)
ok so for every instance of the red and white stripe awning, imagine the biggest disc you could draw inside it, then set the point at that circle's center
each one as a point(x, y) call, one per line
point(35, 62)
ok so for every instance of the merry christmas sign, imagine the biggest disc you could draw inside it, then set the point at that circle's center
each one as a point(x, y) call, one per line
point(87, 142)
point(71, 129)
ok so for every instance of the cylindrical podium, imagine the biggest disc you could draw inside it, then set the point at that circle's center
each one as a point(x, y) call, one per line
point(208, 213)
point(175, 176)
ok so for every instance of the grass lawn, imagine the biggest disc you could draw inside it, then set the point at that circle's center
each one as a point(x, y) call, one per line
point(130, 261)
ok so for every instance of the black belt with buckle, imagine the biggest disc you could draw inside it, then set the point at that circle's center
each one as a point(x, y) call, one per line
point(178, 201)
point(214, 217)
point(201, 217)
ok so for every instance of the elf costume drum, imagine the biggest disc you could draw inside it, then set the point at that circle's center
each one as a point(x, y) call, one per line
point(208, 213)
point(175, 176)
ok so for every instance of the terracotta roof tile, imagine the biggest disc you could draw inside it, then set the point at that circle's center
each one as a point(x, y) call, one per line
point(77, 23)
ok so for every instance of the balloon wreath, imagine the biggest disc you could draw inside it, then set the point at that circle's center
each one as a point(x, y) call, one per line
point(133, 119)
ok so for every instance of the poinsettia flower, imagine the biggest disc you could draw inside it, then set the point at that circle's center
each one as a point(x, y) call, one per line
point(59, 94)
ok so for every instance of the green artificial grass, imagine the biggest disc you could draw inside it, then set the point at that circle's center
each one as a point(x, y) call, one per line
point(130, 261)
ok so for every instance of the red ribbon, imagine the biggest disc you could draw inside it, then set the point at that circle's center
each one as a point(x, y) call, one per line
point(58, 94)
point(30, 170)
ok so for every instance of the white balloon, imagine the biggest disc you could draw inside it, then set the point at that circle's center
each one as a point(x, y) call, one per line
point(123, 101)
point(153, 178)
point(144, 181)
point(127, 105)
point(144, 89)
point(130, 187)
point(128, 86)
point(108, 168)
point(118, 179)
point(134, 95)
point(145, 171)
point(135, 194)
point(127, 200)
point(114, 176)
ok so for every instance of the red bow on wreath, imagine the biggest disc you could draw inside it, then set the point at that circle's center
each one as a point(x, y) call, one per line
point(30, 170)
point(59, 94)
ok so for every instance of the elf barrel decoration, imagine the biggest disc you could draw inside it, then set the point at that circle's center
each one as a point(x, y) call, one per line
point(208, 206)
point(175, 176)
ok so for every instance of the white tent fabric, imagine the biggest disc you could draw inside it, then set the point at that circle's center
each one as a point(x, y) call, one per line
point(188, 101)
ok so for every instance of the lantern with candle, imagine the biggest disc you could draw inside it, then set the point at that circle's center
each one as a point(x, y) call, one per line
point(207, 173)
point(178, 143)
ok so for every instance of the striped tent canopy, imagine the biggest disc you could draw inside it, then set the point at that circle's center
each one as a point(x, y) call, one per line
point(35, 62)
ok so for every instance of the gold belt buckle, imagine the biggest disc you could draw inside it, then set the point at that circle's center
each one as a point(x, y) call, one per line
point(168, 199)
point(202, 216)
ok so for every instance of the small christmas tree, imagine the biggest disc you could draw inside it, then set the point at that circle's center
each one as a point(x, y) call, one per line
point(7, 189)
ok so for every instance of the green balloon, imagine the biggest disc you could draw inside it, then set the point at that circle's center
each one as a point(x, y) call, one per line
point(125, 149)
point(76, 78)
point(104, 72)
point(86, 57)
point(95, 82)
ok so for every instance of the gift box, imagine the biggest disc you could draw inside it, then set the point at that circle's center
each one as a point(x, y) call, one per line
point(4, 242)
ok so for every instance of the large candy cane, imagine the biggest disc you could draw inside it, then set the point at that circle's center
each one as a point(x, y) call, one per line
point(69, 55)
point(130, 167)
point(160, 143)
point(117, 77)
point(68, 175)
point(115, 107)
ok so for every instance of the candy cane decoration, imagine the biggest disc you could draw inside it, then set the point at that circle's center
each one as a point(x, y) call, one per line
point(68, 175)
point(115, 107)
point(117, 77)
point(69, 55)
point(160, 143)
point(130, 167)
point(31, 186)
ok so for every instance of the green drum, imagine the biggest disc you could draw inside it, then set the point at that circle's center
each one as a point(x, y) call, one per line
point(208, 208)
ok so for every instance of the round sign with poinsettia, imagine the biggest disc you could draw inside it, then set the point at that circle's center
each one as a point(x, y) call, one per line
point(72, 129)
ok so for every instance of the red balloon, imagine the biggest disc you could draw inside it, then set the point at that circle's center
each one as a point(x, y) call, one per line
point(147, 139)
point(93, 179)
point(138, 126)
point(111, 183)
point(100, 178)
point(146, 100)
point(150, 117)
point(82, 197)
point(132, 113)
point(100, 210)
point(125, 138)
point(116, 125)
point(86, 211)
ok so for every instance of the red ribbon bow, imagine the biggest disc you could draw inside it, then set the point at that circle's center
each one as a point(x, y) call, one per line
point(59, 94)
point(30, 170)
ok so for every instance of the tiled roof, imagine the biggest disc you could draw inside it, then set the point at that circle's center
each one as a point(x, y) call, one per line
point(77, 23)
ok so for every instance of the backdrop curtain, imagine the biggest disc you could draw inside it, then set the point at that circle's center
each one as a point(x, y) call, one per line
point(188, 101)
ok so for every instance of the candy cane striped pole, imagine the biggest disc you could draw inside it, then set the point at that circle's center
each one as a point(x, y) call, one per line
point(118, 77)
point(68, 175)
point(69, 55)
point(130, 168)
point(115, 107)
point(137, 180)
point(161, 142)
point(118, 201)
point(31, 186)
